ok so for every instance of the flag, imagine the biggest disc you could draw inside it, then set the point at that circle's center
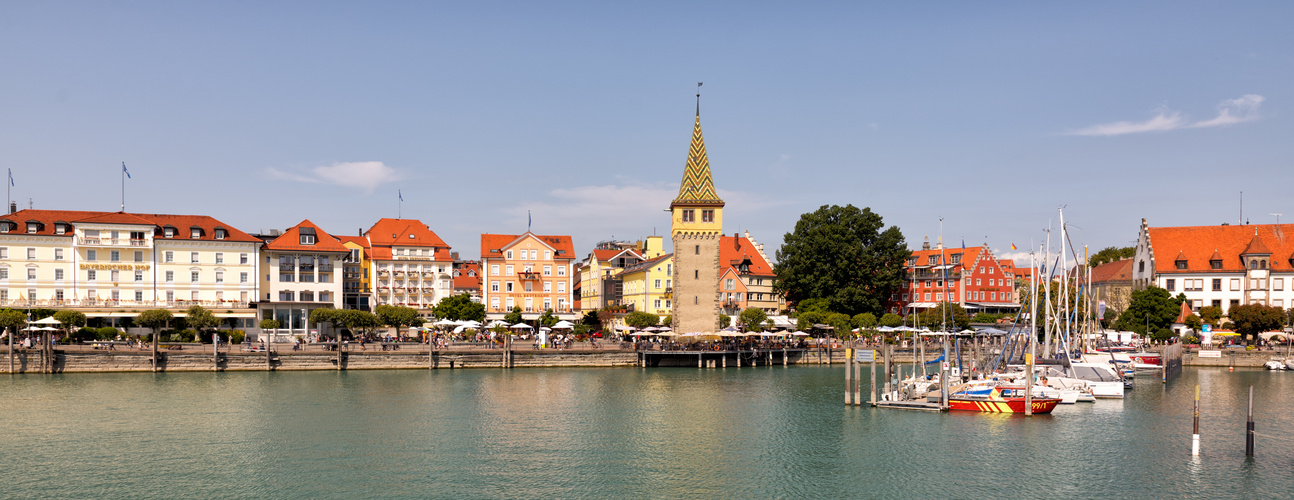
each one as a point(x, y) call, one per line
point(1013, 246)
point(529, 220)
point(963, 243)
point(124, 171)
point(400, 194)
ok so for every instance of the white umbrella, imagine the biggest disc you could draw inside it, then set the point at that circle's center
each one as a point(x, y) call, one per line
point(496, 323)
point(446, 322)
point(523, 326)
point(47, 321)
point(799, 334)
point(460, 328)
point(625, 328)
point(563, 324)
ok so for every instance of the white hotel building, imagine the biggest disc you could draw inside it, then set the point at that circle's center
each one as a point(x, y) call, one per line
point(1222, 266)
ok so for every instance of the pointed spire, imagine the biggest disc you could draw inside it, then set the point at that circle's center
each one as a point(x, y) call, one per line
point(697, 186)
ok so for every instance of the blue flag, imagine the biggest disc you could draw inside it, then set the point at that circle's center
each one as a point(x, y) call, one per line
point(528, 221)
point(123, 169)
point(400, 194)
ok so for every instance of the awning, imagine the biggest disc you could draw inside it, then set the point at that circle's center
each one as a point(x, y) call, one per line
point(922, 305)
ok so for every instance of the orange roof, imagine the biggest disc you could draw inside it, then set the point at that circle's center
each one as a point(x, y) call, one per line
point(733, 250)
point(358, 240)
point(607, 255)
point(1109, 272)
point(290, 241)
point(1197, 245)
point(403, 232)
point(465, 282)
point(493, 245)
point(968, 255)
point(181, 223)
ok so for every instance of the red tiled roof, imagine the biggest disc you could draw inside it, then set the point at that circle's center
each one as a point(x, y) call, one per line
point(358, 240)
point(387, 232)
point(733, 250)
point(968, 255)
point(493, 245)
point(290, 241)
point(181, 223)
point(465, 282)
point(1109, 272)
point(1200, 244)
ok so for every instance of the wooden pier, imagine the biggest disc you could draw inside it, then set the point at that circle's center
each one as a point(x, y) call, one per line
point(721, 359)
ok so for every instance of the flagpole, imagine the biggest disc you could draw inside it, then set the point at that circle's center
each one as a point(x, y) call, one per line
point(8, 194)
point(123, 186)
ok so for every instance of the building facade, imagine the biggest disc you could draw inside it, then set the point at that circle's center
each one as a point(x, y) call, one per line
point(600, 274)
point(696, 226)
point(748, 279)
point(970, 277)
point(357, 278)
point(530, 271)
point(411, 265)
point(300, 274)
point(1220, 266)
point(114, 264)
point(648, 285)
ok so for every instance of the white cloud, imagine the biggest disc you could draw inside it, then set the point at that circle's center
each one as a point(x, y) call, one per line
point(1230, 112)
point(366, 175)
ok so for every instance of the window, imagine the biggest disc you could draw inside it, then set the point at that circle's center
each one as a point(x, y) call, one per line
point(927, 296)
point(58, 275)
point(307, 296)
point(992, 296)
point(170, 295)
point(561, 287)
point(548, 270)
point(4, 252)
point(169, 232)
point(139, 276)
point(220, 276)
point(139, 256)
point(548, 255)
point(31, 273)
point(561, 270)
point(534, 255)
point(220, 233)
point(242, 258)
point(696, 274)
point(242, 277)
point(955, 258)
point(977, 281)
point(657, 283)
point(58, 254)
point(1215, 264)
point(689, 215)
point(509, 269)
point(548, 286)
point(494, 269)
point(32, 227)
point(508, 286)
point(1235, 284)
point(1217, 284)
point(1170, 284)
point(195, 233)
point(932, 260)
point(1278, 284)
point(1141, 266)
point(707, 216)
point(939, 296)
point(494, 286)
point(508, 255)
point(89, 254)
point(170, 276)
point(991, 270)
point(114, 256)
point(169, 256)
point(285, 296)
point(91, 275)
point(530, 286)
point(193, 277)
point(220, 258)
point(193, 257)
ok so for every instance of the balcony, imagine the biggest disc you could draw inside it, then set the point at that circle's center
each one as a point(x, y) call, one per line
point(399, 273)
point(429, 274)
point(528, 275)
point(383, 273)
point(287, 267)
point(325, 268)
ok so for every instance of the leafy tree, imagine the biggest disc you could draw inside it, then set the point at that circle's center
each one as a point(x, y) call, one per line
point(547, 319)
point(843, 254)
point(984, 317)
point(1111, 254)
point(952, 313)
point(753, 318)
point(865, 320)
point(323, 315)
point(1250, 320)
point(591, 319)
point(1193, 322)
point(13, 320)
point(513, 317)
point(397, 316)
point(459, 308)
point(725, 321)
point(356, 321)
point(640, 319)
point(667, 321)
point(1154, 305)
point(1211, 315)
point(806, 320)
point(840, 324)
point(1162, 334)
point(891, 320)
point(70, 318)
point(154, 319)
point(266, 324)
point(200, 319)
point(814, 305)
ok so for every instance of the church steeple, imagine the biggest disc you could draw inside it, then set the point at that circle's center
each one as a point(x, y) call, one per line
point(697, 187)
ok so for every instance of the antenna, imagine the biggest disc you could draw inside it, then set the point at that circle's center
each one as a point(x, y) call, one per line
point(1278, 217)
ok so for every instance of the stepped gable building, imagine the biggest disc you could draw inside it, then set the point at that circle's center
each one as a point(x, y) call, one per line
point(976, 280)
point(300, 275)
point(1221, 266)
point(412, 265)
point(747, 278)
point(696, 228)
point(113, 264)
point(531, 271)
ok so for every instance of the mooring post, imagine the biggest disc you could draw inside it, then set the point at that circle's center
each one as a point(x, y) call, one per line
point(849, 381)
point(215, 350)
point(873, 379)
point(700, 362)
point(1195, 428)
point(889, 349)
point(858, 380)
point(1249, 426)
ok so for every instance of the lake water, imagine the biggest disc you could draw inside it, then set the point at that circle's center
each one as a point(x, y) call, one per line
point(665, 432)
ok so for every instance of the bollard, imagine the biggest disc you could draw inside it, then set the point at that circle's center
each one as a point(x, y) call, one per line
point(1249, 426)
point(1195, 430)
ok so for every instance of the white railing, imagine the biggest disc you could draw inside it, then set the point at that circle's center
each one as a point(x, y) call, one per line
point(110, 303)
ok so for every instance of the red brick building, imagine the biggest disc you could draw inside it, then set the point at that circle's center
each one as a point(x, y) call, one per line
point(971, 277)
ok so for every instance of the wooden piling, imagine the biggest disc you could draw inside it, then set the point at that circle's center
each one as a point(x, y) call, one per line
point(849, 381)
point(1195, 428)
point(1249, 426)
point(873, 380)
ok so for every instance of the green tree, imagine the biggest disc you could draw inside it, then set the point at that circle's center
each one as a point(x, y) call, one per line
point(840, 324)
point(1251, 320)
point(266, 324)
point(640, 320)
point(323, 315)
point(548, 319)
point(891, 320)
point(1193, 322)
point(13, 320)
point(1210, 315)
point(154, 319)
point(1111, 254)
point(356, 321)
point(513, 317)
point(70, 318)
point(753, 318)
point(591, 319)
point(459, 308)
point(668, 320)
point(397, 316)
point(865, 320)
point(200, 320)
point(725, 321)
point(806, 320)
point(1152, 305)
point(843, 254)
point(945, 314)
point(814, 305)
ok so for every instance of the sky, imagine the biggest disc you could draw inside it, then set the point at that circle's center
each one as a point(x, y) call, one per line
point(988, 115)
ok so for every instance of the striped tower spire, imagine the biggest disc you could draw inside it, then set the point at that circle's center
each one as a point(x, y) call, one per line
point(697, 186)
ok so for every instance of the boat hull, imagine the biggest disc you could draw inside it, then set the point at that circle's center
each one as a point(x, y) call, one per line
point(1010, 405)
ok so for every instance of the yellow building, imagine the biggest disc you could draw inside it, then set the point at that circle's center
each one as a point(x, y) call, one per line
point(649, 285)
point(356, 275)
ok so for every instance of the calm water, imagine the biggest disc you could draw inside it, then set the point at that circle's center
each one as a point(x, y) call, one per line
point(562, 433)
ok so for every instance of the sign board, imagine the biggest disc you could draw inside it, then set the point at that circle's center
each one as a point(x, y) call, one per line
point(866, 356)
point(1206, 328)
point(946, 366)
point(1210, 354)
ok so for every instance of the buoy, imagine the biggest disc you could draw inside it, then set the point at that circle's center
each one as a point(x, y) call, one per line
point(1231, 368)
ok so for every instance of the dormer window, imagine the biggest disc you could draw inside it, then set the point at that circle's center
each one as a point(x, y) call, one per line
point(169, 232)
point(221, 233)
point(33, 227)
point(308, 236)
point(5, 226)
point(932, 260)
point(60, 228)
point(1181, 264)
point(956, 258)
point(1215, 264)
point(195, 233)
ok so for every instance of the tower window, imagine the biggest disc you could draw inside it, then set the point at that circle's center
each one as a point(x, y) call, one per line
point(689, 215)
point(696, 274)
point(707, 216)
point(698, 249)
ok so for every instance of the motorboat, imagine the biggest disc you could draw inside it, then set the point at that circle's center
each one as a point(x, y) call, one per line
point(1277, 364)
point(1001, 399)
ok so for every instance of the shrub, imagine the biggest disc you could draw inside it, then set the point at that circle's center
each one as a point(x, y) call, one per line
point(234, 336)
point(107, 333)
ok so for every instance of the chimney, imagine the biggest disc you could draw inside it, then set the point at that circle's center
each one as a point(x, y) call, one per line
point(13, 206)
point(361, 231)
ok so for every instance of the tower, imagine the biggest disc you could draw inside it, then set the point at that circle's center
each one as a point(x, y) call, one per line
point(695, 228)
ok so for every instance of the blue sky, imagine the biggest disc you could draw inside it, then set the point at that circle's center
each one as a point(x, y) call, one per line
point(988, 114)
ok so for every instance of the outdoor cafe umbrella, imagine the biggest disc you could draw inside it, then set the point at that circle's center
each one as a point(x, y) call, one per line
point(563, 324)
point(522, 326)
point(47, 321)
point(446, 322)
point(496, 323)
point(625, 328)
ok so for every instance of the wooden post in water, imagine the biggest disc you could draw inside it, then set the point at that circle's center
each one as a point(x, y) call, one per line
point(1195, 427)
point(849, 381)
point(215, 352)
point(889, 350)
point(9, 335)
point(1028, 383)
point(858, 380)
point(873, 379)
point(154, 339)
point(1249, 426)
